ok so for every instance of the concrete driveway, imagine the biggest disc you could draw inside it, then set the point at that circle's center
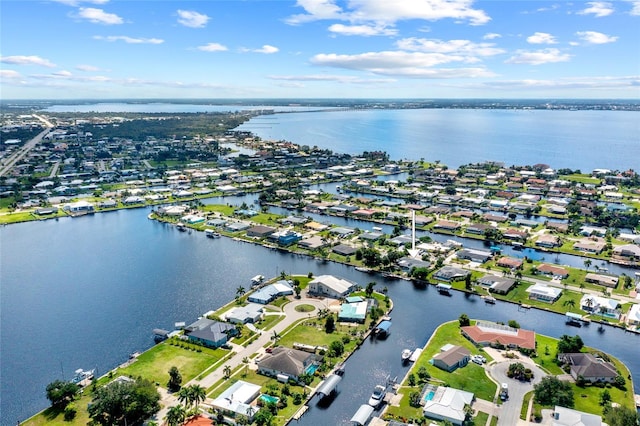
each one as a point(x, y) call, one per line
point(510, 409)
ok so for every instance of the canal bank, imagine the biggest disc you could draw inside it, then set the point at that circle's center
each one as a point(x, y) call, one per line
point(103, 282)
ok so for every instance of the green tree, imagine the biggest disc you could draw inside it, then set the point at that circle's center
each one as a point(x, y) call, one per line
point(621, 416)
point(414, 399)
point(226, 371)
point(464, 320)
point(336, 348)
point(605, 397)
point(184, 396)
point(467, 282)
point(61, 393)
point(176, 415)
point(120, 403)
point(514, 324)
point(587, 263)
point(568, 344)
point(263, 417)
point(369, 290)
point(240, 291)
point(553, 391)
point(175, 379)
point(329, 324)
point(298, 290)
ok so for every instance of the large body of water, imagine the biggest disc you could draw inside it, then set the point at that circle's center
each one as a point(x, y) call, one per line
point(86, 292)
point(582, 140)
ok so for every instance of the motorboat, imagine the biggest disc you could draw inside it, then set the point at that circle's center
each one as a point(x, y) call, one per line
point(377, 396)
point(406, 354)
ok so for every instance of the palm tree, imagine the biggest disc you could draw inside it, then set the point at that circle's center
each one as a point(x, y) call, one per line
point(245, 361)
point(185, 396)
point(176, 415)
point(198, 394)
point(570, 302)
point(227, 371)
point(587, 263)
point(240, 291)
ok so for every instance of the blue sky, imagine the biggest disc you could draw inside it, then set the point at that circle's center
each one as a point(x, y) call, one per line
point(74, 49)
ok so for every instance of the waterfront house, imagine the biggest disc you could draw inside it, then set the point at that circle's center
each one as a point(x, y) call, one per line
point(344, 249)
point(496, 284)
point(260, 231)
point(450, 273)
point(210, 333)
point(562, 416)
point(408, 263)
point(633, 316)
point(236, 226)
point(288, 363)
point(447, 225)
point(477, 228)
point(548, 241)
point(509, 262)
point(544, 293)
point(353, 309)
point(330, 286)
point(592, 369)
point(237, 400)
point(271, 292)
point(312, 243)
point(451, 357)
point(447, 404)
point(605, 306)
point(593, 245)
point(601, 279)
point(554, 271)
point(627, 251)
point(473, 255)
point(486, 333)
point(79, 207)
point(250, 313)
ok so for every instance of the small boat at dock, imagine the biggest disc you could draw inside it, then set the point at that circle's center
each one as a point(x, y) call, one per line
point(377, 396)
point(406, 354)
point(82, 377)
point(489, 299)
point(383, 329)
point(211, 233)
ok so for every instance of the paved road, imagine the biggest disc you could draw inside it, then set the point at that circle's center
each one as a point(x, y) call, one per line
point(240, 352)
point(20, 153)
point(510, 409)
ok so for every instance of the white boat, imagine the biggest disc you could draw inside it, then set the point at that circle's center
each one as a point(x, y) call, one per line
point(377, 396)
point(212, 233)
point(490, 300)
point(406, 354)
point(82, 377)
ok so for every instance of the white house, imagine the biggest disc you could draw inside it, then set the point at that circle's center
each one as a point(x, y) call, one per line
point(544, 293)
point(633, 317)
point(252, 312)
point(330, 286)
point(603, 305)
point(237, 398)
point(447, 404)
point(568, 417)
point(79, 206)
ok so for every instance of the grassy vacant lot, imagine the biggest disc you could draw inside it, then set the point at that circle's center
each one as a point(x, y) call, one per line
point(155, 363)
point(311, 332)
point(55, 417)
point(471, 378)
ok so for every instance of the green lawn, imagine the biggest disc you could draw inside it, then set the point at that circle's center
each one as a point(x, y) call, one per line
point(155, 363)
point(269, 321)
point(55, 417)
point(546, 348)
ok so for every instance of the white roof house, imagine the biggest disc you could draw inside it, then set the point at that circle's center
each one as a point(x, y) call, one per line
point(633, 317)
point(544, 293)
point(606, 306)
point(448, 404)
point(237, 398)
point(568, 417)
point(330, 286)
point(252, 312)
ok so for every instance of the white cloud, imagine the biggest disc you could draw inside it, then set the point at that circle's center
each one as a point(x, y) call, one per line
point(362, 30)
point(213, 47)
point(99, 16)
point(27, 60)
point(330, 77)
point(579, 83)
point(635, 7)
point(463, 47)
point(266, 49)
point(192, 19)
point(10, 75)
point(77, 2)
point(538, 57)
point(491, 36)
point(130, 40)
point(316, 10)
point(388, 12)
point(87, 68)
point(541, 38)
point(594, 37)
point(396, 63)
point(62, 73)
point(598, 9)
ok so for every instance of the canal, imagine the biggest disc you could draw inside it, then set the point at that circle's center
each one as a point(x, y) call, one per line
point(86, 292)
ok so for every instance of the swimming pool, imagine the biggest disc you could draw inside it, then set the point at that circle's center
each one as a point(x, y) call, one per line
point(311, 369)
point(269, 398)
point(429, 396)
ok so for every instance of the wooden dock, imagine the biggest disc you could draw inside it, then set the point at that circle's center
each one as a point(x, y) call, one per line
point(300, 412)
